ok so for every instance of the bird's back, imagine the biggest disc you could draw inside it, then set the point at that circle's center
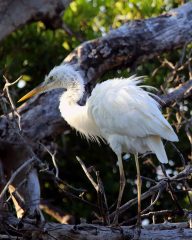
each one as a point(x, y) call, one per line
point(121, 108)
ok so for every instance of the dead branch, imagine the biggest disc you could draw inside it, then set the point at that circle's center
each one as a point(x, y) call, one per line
point(181, 92)
point(99, 188)
point(57, 213)
point(160, 186)
point(15, 14)
point(49, 231)
point(95, 185)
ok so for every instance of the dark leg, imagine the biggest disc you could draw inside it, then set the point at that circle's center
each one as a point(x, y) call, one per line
point(138, 189)
point(121, 188)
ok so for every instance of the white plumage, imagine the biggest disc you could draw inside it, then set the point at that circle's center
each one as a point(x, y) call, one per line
point(118, 111)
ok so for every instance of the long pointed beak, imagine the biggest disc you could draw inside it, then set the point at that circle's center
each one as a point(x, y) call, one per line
point(33, 92)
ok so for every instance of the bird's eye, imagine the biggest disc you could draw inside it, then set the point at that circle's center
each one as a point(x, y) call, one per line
point(51, 78)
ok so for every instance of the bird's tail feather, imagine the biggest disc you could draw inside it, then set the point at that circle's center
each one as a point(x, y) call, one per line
point(156, 146)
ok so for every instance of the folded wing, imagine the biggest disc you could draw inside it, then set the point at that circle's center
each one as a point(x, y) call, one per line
point(122, 107)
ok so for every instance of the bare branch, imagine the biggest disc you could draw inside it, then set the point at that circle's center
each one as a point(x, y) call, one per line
point(57, 213)
point(50, 231)
point(53, 160)
point(95, 185)
point(162, 185)
point(13, 108)
point(182, 92)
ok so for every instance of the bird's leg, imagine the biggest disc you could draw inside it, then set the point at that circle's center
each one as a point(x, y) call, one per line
point(138, 190)
point(121, 188)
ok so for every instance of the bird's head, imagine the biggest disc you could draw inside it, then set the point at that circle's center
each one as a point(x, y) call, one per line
point(59, 77)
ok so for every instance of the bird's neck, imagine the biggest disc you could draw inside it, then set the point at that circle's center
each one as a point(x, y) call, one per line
point(75, 90)
point(77, 117)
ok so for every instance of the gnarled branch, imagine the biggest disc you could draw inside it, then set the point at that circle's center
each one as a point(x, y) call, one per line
point(14, 14)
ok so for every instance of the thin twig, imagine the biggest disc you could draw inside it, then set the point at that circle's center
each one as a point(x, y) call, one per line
point(148, 179)
point(6, 89)
point(153, 203)
point(88, 174)
point(103, 200)
point(53, 160)
point(171, 190)
point(146, 209)
point(69, 194)
point(179, 153)
point(162, 184)
point(160, 213)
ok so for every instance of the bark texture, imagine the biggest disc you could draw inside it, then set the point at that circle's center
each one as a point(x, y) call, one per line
point(134, 42)
point(179, 231)
point(14, 14)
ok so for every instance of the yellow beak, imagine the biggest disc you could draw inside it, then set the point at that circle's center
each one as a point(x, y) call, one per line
point(33, 93)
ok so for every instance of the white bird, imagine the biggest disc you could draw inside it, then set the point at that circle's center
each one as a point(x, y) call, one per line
point(118, 111)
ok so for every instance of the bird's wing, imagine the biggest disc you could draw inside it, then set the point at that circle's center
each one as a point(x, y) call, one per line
point(122, 107)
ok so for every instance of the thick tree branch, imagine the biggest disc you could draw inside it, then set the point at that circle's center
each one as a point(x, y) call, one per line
point(178, 231)
point(134, 42)
point(14, 14)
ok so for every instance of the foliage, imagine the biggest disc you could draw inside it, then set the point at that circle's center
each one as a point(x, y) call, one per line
point(33, 50)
